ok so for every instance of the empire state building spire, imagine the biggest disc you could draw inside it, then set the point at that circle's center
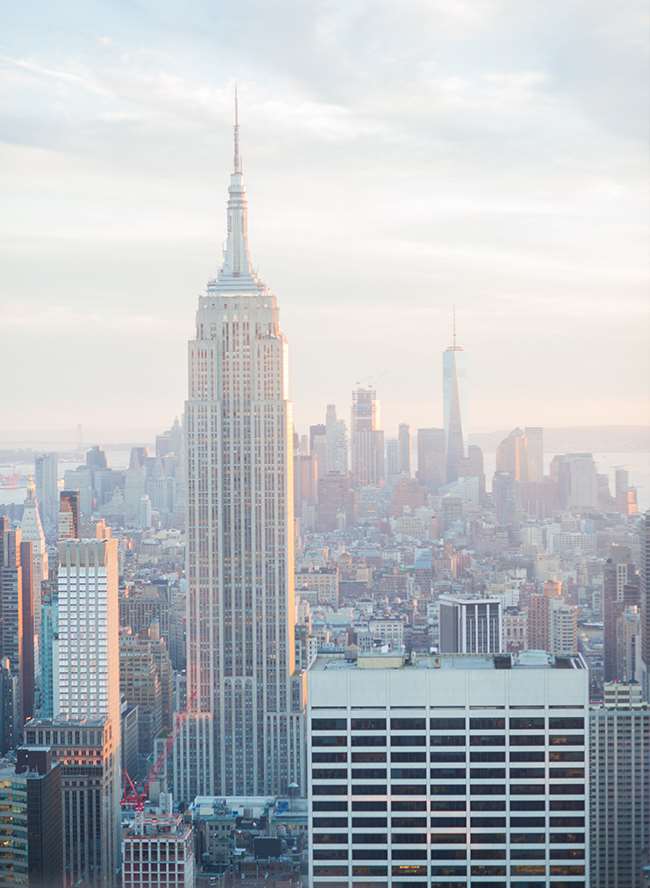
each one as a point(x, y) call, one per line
point(236, 273)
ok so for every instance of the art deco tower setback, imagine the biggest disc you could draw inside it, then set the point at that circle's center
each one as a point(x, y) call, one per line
point(240, 560)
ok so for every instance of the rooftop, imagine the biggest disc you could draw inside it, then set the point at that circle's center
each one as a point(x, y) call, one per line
point(394, 660)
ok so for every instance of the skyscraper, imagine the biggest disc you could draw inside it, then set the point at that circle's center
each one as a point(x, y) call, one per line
point(32, 532)
point(240, 560)
point(431, 458)
point(337, 442)
point(69, 521)
point(453, 378)
point(404, 438)
point(535, 447)
point(366, 438)
point(470, 625)
point(46, 469)
point(645, 601)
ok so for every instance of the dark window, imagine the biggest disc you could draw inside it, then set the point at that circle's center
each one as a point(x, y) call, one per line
point(566, 724)
point(360, 870)
point(490, 755)
point(527, 724)
point(408, 724)
point(488, 838)
point(369, 806)
point(487, 789)
point(447, 839)
point(527, 838)
point(408, 740)
point(409, 805)
point(368, 757)
point(487, 740)
point(527, 805)
point(409, 789)
point(488, 805)
point(457, 740)
point(448, 789)
point(369, 854)
point(527, 854)
point(329, 741)
point(570, 838)
point(567, 870)
point(447, 773)
point(449, 854)
point(528, 755)
point(566, 755)
point(368, 740)
point(567, 789)
point(526, 740)
point(488, 870)
point(406, 870)
point(487, 724)
point(567, 740)
point(369, 789)
point(522, 822)
point(408, 757)
point(440, 822)
point(409, 838)
point(448, 805)
point(378, 822)
point(455, 755)
point(447, 871)
point(329, 773)
point(325, 822)
point(526, 773)
point(318, 757)
point(330, 838)
point(414, 822)
point(369, 773)
point(330, 870)
point(408, 773)
point(331, 789)
point(368, 724)
point(567, 805)
point(567, 853)
point(329, 724)
point(372, 838)
point(488, 773)
point(330, 806)
point(568, 821)
point(447, 724)
point(488, 821)
point(571, 773)
point(330, 853)
point(528, 869)
point(527, 789)
point(488, 854)
point(408, 854)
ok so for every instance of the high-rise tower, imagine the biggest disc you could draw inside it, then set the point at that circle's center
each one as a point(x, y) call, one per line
point(240, 560)
point(453, 377)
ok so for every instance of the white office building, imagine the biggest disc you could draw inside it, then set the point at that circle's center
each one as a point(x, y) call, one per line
point(470, 625)
point(448, 771)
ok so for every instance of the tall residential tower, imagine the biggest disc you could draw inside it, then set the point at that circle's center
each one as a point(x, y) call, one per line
point(240, 561)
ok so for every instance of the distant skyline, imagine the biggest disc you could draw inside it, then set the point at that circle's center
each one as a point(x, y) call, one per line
point(400, 159)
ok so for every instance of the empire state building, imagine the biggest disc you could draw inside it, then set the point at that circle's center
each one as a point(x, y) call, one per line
point(240, 559)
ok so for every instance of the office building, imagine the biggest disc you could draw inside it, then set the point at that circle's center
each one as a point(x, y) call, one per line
point(88, 753)
point(392, 458)
point(619, 787)
point(576, 477)
point(431, 458)
point(404, 438)
point(367, 440)
point(158, 849)
point(32, 532)
point(140, 685)
point(69, 526)
point(46, 470)
point(31, 835)
point(16, 614)
point(337, 442)
point(534, 453)
point(645, 601)
point(323, 581)
point(240, 528)
point(562, 627)
point(505, 495)
point(470, 625)
point(48, 654)
point(512, 455)
point(10, 720)
point(448, 771)
point(453, 383)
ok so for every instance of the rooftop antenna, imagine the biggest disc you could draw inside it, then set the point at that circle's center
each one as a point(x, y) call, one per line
point(237, 159)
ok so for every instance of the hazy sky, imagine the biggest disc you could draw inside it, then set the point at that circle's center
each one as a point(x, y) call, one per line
point(400, 157)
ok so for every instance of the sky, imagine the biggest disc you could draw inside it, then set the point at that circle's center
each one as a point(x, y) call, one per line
point(400, 159)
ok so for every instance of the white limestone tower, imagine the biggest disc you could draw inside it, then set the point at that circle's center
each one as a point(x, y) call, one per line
point(240, 560)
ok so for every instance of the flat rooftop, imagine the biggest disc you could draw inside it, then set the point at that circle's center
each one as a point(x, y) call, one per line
point(459, 662)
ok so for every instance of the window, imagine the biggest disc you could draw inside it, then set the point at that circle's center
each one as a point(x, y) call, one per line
point(325, 822)
point(369, 773)
point(369, 806)
point(527, 740)
point(571, 773)
point(448, 839)
point(488, 821)
point(447, 741)
point(409, 838)
point(368, 724)
point(488, 838)
point(408, 773)
point(527, 853)
point(533, 822)
point(368, 757)
point(567, 740)
point(329, 724)
point(368, 740)
point(372, 838)
point(527, 838)
point(440, 822)
point(329, 773)
point(488, 805)
point(369, 854)
point(527, 724)
point(527, 805)
point(318, 757)
point(368, 789)
point(567, 805)
point(571, 838)
point(487, 724)
point(447, 724)
point(408, 740)
point(408, 822)
point(567, 789)
point(487, 740)
point(526, 773)
point(491, 755)
point(330, 806)
point(331, 839)
point(377, 822)
point(529, 755)
point(360, 870)
point(330, 741)
point(445, 805)
point(330, 789)
point(566, 755)
point(568, 821)
point(488, 773)
point(410, 756)
point(408, 724)
point(447, 773)
point(566, 724)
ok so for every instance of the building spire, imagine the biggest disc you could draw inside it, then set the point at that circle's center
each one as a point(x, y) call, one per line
point(237, 168)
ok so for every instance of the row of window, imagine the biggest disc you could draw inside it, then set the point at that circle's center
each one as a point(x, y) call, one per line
point(440, 820)
point(455, 755)
point(525, 869)
point(527, 723)
point(446, 773)
point(449, 805)
point(370, 789)
point(449, 740)
point(377, 838)
point(518, 883)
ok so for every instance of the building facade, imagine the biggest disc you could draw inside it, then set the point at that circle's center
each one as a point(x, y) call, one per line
point(450, 771)
point(240, 559)
point(470, 625)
